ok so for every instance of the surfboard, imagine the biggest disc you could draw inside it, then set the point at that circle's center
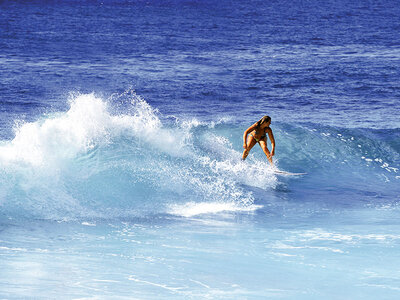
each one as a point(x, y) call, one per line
point(279, 172)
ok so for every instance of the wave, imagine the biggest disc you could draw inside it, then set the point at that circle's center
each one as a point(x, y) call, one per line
point(96, 161)
point(120, 157)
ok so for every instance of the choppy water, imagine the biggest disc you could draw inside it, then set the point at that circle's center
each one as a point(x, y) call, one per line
point(121, 137)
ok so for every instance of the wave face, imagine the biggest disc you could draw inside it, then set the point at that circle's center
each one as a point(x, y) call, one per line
point(120, 157)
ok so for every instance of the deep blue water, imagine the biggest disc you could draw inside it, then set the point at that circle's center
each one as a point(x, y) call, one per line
point(121, 128)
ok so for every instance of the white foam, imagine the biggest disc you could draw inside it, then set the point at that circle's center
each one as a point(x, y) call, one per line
point(87, 124)
point(61, 136)
point(192, 209)
point(339, 237)
point(251, 172)
point(88, 224)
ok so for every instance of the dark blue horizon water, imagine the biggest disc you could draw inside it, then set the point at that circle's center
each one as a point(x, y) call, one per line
point(333, 62)
point(121, 128)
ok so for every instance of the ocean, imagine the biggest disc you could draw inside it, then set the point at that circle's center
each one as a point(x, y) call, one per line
point(121, 133)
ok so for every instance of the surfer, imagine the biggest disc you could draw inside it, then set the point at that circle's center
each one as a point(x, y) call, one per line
point(258, 134)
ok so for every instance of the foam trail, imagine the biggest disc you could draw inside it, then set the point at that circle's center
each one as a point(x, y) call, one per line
point(192, 209)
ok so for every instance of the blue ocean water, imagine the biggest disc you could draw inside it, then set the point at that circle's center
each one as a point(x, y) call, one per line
point(121, 137)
